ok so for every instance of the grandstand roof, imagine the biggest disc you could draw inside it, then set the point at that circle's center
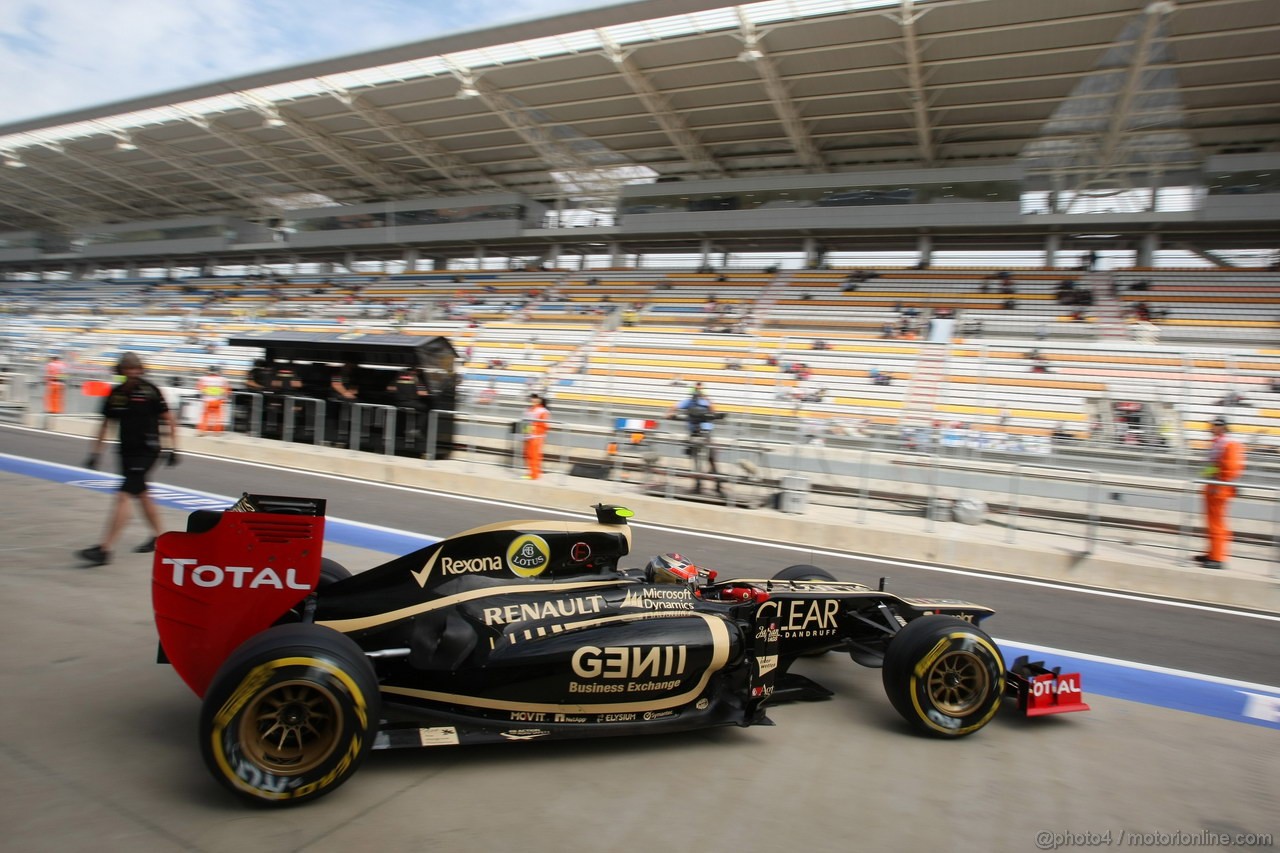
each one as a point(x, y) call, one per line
point(675, 89)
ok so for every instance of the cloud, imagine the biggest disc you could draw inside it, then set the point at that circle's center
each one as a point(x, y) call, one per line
point(56, 57)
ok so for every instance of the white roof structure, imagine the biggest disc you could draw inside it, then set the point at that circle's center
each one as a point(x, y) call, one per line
point(1090, 91)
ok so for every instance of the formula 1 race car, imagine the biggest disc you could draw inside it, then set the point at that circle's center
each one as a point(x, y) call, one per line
point(523, 631)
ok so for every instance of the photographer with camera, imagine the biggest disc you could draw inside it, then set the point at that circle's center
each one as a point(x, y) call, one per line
point(698, 413)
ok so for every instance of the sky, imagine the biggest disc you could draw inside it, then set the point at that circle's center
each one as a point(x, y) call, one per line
point(60, 55)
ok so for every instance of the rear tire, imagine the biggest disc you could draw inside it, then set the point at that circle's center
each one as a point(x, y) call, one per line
point(331, 571)
point(290, 715)
point(944, 676)
point(804, 572)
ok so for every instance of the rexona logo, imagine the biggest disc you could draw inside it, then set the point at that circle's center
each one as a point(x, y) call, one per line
point(452, 566)
point(237, 577)
point(528, 555)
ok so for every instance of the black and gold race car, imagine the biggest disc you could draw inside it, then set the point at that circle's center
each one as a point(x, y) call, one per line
point(521, 631)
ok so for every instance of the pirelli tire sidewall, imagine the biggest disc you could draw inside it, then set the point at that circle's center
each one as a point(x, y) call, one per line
point(290, 715)
point(944, 675)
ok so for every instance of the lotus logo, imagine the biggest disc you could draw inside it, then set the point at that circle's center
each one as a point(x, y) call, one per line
point(528, 555)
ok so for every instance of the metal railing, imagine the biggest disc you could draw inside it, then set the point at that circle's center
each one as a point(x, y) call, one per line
point(1088, 496)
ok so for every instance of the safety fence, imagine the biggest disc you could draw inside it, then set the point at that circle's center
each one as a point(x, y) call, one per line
point(1088, 495)
point(750, 465)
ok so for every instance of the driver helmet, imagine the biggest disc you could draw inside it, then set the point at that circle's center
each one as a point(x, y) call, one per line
point(670, 568)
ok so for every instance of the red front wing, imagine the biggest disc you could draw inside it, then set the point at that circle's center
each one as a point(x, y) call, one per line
point(1041, 691)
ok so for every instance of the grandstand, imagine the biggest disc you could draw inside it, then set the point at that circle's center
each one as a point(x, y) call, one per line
point(614, 205)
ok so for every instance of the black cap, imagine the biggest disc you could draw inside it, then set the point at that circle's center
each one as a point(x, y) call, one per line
point(1220, 421)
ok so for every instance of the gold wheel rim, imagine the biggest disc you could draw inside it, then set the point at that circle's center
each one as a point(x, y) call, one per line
point(291, 727)
point(958, 683)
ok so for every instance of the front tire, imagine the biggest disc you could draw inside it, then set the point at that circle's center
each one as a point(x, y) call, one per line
point(944, 676)
point(290, 715)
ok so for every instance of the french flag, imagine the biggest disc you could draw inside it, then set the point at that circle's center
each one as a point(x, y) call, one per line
point(634, 424)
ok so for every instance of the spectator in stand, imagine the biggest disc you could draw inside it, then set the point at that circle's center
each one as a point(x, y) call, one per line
point(1225, 465)
point(138, 408)
point(1233, 398)
point(1039, 364)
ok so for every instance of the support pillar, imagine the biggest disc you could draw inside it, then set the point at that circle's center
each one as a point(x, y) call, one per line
point(812, 253)
point(1052, 245)
point(706, 254)
point(613, 254)
point(410, 258)
point(924, 247)
point(1147, 248)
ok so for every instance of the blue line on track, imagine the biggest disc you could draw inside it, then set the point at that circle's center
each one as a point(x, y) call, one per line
point(337, 530)
point(1242, 702)
point(1255, 704)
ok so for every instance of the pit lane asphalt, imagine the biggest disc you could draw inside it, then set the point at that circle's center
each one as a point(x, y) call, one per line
point(98, 743)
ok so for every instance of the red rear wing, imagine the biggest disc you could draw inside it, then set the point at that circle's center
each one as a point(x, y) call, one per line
point(214, 589)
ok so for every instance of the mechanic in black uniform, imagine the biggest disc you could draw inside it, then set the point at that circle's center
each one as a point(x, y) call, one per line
point(411, 391)
point(344, 391)
point(284, 382)
point(137, 407)
point(256, 381)
point(260, 376)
